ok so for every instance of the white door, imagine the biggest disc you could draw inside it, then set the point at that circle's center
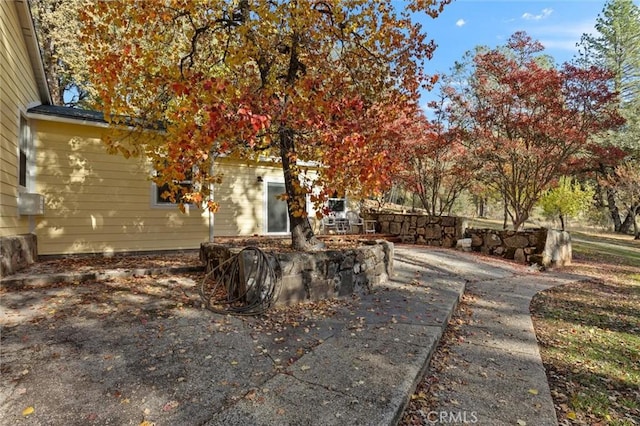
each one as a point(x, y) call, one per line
point(277, 218)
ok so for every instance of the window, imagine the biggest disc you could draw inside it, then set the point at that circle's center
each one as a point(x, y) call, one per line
point(337, 206)
point(24, 144)
point(159, 192)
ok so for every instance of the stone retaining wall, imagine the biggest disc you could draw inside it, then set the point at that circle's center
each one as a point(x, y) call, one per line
point(17, 252)
point(442, 231)
point(542, 246)
point(309, 276)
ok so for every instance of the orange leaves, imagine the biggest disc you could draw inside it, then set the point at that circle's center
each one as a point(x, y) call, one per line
point(342, 77)
point(179, 88)
point(258, 122)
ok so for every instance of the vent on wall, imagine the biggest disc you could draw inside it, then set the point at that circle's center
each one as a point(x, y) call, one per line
point(30, 204)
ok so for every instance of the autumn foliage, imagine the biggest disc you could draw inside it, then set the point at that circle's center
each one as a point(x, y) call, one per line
point(530, 123)
point(438, 165)
point(303, 81)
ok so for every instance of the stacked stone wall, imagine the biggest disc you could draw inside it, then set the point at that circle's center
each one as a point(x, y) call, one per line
point(542, 246)
point(309, 276)
point(442, 231)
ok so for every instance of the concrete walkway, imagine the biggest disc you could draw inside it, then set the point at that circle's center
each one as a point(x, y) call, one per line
point(140, 356)
point(494, 374)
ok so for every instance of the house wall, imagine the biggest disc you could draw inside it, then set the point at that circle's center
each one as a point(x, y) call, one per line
point(101, 203)
point(18, 91)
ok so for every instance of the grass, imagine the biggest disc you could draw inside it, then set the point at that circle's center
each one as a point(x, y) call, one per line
point(589, 333)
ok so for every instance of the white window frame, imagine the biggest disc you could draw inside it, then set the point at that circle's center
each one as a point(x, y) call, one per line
point(158, 202)
point(265, 191)
point(265, 209)
point(25, 147)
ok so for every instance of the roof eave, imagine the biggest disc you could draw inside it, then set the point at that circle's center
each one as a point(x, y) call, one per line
point(33, 48)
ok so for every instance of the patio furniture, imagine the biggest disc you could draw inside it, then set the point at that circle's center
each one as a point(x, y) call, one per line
point(328, 224)
point(342, 226)
point(355, 221)
point(369, 226)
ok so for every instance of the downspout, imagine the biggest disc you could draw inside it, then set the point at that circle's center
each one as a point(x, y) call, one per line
point(211, 198)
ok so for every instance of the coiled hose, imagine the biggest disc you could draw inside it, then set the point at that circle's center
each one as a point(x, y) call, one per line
point(247, 283)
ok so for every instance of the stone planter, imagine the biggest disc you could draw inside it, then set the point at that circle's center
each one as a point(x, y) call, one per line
point(17, 252)
point(310, 276)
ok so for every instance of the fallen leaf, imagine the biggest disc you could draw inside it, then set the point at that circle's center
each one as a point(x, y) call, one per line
point(147, 423)
point(521, 423)
point(28, 410)
point(170, 405)
point(305, 368)
point(533, 391)
point(571, 415)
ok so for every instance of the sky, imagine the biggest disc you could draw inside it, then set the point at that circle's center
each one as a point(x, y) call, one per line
point(464, 24)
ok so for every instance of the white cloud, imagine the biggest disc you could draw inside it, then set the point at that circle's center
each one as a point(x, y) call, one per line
point(546, 12)
point(460, 22)
point(562, 37)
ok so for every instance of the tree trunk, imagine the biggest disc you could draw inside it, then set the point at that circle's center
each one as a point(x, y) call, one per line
point(506, 213)
point(629, 221)
point(302, 236)
point(480, 206)
point(613, 209)
point(519, 220)
point(561, 222)
point(634, 211)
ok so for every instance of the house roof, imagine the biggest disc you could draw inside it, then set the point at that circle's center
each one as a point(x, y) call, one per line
point(68, 113)
point(33, 48)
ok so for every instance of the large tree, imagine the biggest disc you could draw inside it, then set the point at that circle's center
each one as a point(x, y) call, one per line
point(615, 46)
point(300, 80)
point(528, 122)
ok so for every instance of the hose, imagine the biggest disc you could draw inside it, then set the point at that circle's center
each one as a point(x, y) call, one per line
point(247, 283)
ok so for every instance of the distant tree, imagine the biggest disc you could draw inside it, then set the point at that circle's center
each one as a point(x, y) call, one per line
point(529, 122)
point(57, 25)
point(438, 166)
point(615, 47)
point(567, 200)
point(304, 81)
point(626, 181)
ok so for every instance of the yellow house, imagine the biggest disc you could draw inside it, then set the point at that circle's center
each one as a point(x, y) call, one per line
point(62, 193)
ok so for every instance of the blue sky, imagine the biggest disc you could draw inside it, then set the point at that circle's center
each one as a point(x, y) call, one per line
point(465, 24)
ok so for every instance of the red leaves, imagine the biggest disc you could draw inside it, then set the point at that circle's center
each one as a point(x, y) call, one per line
point(258, 122)
point(179, 88)
point(531, 121)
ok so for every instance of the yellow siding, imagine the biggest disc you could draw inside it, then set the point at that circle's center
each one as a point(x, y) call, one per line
point(18, 89)
point(101, 203)
point(95, 202)
point(241, 197)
